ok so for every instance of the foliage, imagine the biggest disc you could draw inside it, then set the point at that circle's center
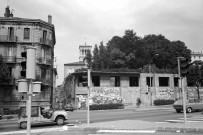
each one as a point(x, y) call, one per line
point(195, 74)
point(163, 102)
point(106, 106)
point(88, 58)
point(133, 52)
point(10, 112)
point(68, 89)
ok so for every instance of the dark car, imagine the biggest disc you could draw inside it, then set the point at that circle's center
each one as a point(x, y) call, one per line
point(69, 107)
point(0, 116)
point(192, 104)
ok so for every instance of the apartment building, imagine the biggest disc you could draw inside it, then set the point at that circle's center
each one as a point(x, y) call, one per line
point(15, 35)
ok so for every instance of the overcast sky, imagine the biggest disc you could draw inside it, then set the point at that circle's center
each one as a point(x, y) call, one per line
point(100, 20)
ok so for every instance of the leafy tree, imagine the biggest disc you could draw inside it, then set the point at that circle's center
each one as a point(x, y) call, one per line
point(88, 58)
point(103, 56)
point(95, 58)
point(118, 58)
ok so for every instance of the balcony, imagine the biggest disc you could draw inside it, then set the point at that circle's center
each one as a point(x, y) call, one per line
point(8, 38)
point(46, 41)
point(44, 61)
point(9, 59)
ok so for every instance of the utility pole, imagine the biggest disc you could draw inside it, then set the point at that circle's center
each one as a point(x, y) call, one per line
point(88, 93)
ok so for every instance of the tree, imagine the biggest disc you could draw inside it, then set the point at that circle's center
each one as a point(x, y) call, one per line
point(88, 58)
point(4, 71)
point(103, 57)
point(167, 51)
point(95, 58)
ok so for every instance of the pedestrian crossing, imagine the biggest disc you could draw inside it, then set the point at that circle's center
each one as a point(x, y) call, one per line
point(197, 118)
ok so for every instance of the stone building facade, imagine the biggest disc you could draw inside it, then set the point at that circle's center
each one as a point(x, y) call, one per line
point(15, 35)
point(125, 87)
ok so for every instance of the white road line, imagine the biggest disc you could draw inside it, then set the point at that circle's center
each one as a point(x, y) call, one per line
point(126, 131)
point(32, 131)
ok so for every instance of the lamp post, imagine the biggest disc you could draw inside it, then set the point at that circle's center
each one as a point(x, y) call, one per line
point(150, 81)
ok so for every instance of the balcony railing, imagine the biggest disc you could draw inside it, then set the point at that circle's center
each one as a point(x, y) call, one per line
point(44, 61)
point(46, 41)
point(8, 38)
point(9, 59)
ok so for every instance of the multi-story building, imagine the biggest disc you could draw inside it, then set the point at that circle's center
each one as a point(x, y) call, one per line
point(15, 35)
point(196, 56)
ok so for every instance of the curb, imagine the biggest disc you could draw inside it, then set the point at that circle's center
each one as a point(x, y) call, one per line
point(179, 130)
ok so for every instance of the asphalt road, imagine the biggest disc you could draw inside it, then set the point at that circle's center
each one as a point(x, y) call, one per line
point(79, 117)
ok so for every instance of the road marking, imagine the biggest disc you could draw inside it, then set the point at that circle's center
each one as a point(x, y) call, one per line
point(32, 131)
point(126, 131)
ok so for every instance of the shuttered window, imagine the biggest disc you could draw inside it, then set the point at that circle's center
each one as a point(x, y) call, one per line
point(26, 33)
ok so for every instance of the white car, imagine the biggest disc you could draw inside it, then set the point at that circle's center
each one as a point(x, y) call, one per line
point(192, 104)
point(41, 115)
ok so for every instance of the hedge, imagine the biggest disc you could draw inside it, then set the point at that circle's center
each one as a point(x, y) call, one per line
point(163, 102)
point(10, 112)
point(106, 106)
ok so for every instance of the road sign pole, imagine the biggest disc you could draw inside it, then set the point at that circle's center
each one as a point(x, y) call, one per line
point(29, 101)
point(88, 92)
point(183, 90)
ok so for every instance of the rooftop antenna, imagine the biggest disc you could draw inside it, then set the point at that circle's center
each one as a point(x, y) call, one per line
point(85, 40)
point(7, 2)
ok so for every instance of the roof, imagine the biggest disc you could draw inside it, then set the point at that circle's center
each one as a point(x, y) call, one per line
point(108, 73)
point(19, 20)
point(81, 63)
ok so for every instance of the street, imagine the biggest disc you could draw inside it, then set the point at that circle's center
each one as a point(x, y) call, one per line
point(80, 117)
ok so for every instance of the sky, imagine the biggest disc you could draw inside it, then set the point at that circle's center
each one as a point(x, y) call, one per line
point(93, 21)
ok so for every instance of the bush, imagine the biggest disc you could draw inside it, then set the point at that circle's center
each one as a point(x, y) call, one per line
point(106, 106)
point(163, 101)
point(10, 112)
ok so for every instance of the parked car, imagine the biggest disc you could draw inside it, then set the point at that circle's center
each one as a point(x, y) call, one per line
point(192, 104)
point(0, 116)
point(69, 107)
point(40, 115)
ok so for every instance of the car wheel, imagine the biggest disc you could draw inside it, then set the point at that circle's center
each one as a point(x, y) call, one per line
point(23, 125)
point(178, 111)
point(60, 121)
point(189, 110)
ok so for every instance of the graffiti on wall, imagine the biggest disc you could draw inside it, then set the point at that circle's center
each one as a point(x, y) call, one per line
point(101, 95)
point(164, 93)
point(105, 95)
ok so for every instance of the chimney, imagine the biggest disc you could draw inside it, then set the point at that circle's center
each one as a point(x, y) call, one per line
point(8, 13)
point(50, 19)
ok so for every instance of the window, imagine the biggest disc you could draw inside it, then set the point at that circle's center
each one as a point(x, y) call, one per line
point(44, 35)
point(95, 80)
point(26, 33)
point(148, 81)
point(82, 81)
point(164, 81)
point(11, 33)
point(134, 81)
point(176, 81)
point(115, 81)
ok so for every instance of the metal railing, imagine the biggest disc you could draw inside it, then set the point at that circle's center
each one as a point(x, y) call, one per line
point(8, 38)
point(9, 59)
point(45, 61)
point(46, 41)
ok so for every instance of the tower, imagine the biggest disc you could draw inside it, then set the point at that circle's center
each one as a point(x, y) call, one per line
point(83, 51)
